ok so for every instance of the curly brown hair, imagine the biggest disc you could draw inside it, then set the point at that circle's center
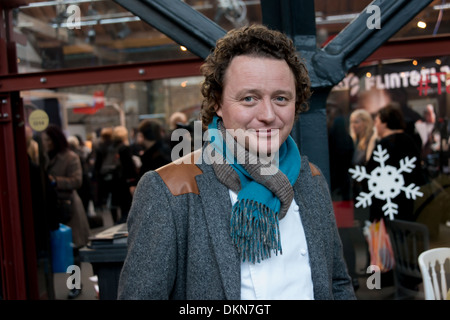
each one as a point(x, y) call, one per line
point(258, 41)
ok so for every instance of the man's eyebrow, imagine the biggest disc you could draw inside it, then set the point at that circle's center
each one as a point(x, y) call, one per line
point(248, 91)
point(288, 93)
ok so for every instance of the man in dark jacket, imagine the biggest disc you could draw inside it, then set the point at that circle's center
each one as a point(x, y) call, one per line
point(156, 154)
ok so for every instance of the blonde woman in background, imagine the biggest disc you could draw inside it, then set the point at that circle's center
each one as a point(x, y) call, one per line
point(32, 145)
point(120, 173)
point(363, 133)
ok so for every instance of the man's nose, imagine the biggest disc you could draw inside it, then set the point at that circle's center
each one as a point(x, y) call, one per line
point(266, 111)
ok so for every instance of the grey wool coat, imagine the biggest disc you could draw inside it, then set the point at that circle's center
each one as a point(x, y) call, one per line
point(179, 244)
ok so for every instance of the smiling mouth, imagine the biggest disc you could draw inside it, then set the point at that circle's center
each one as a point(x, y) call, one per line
point(266, 132)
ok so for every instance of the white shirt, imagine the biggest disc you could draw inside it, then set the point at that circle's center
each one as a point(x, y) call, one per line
point(284, 276)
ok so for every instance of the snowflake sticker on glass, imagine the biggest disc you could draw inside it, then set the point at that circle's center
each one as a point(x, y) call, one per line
point(385, 182)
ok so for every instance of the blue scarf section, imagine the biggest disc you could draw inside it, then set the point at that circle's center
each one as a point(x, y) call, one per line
point(255, 216)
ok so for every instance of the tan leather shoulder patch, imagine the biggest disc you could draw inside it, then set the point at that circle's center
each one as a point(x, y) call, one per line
point(314, 170)
point(179, 176)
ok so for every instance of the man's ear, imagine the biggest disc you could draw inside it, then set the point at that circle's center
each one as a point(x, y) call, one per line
point(218, 110)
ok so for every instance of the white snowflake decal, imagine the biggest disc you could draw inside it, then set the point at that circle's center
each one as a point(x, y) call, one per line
point(385, 182)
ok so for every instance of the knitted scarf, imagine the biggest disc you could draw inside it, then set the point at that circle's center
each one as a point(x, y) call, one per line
point(264, 191)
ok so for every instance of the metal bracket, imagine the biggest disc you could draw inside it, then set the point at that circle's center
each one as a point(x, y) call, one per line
point(5, 110)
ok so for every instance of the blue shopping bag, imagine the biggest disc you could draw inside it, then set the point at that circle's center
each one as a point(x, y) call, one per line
point(62, 248)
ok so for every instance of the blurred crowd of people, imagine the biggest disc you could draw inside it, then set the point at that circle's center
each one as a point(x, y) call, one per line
point(74, 181)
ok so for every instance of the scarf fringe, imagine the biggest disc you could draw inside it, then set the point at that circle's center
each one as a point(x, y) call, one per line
point(255, 230)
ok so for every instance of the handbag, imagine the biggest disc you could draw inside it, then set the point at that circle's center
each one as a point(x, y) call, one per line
point(380, 247)
point(64, 210)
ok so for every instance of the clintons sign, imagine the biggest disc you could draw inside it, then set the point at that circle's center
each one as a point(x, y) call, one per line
point(428, 77)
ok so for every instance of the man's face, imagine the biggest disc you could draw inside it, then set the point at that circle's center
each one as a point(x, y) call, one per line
point(259, 99)
point(380, 127)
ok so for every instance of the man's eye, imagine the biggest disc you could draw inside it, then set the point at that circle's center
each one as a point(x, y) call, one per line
point(248, 99)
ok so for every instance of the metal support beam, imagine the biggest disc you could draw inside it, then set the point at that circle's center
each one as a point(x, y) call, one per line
point(297, 20)
point(12, 254)
point(13, 244)
point(282, 15)
point(357, 41)
point(142, 71)
point(399, 49)
point(178, 21)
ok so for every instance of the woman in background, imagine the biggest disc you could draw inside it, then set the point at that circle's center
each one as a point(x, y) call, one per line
point(363, 135)
point(125, 174)
point(65, 174)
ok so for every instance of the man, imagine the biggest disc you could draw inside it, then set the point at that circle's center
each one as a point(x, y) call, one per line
point(390, 127)
point(245, 217)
